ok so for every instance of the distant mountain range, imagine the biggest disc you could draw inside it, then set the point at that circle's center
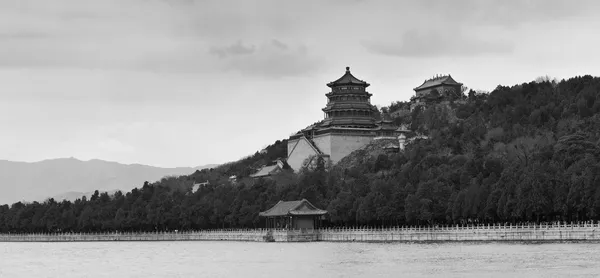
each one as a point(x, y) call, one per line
point(65, 178)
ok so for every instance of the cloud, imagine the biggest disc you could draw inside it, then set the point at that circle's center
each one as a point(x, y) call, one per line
point(175, 36)
point(432, 43)
point(269, 59)
point(237, 48)
point(25, 35)
point(507, 12)
point(279, 44)
point(130, 34)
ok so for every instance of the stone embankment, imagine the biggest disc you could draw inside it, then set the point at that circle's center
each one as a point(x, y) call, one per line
point(576, 232)
point(562, 232)
point(229, 235)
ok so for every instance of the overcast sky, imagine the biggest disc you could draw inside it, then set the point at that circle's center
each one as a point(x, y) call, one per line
point(185, 83)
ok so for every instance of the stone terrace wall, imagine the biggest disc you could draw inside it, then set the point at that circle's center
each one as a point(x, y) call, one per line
point(470, 233)
point(229, 235)
point(564, 232)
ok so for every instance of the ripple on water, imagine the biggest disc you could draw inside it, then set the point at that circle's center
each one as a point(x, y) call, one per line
point(320, 259)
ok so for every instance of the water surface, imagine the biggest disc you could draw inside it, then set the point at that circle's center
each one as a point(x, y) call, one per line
point(316, 259)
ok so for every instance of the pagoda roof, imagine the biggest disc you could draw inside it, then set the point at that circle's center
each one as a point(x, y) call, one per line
point(437, 81)
point(349, 105)
point(344, 121)
point(289, 208)
point(348, 79)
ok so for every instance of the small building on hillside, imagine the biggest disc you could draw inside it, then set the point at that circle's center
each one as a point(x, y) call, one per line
point(402, 140)
point(233, 179)
point(391, 148)
point(440, 86)
point(197, 186)
point(295, 215)
point(386, 129)
point(266, 171)
point(269, 170)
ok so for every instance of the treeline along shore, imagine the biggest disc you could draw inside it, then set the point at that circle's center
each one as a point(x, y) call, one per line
point(481, 233)
point(524, 153)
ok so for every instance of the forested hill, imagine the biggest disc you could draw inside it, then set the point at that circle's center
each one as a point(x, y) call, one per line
point(530, 152)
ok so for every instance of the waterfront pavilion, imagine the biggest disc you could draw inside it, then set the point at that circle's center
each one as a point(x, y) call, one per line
point(293, 215)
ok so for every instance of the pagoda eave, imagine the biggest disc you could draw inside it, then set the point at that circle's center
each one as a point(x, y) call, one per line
point(333, 84)
point(420, 88)
point(338, 93)
point(349, 106)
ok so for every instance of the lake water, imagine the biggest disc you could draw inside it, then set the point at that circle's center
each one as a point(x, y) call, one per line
point(316, 259)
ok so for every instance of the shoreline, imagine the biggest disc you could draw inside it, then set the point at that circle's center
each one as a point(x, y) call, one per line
point(495, 233)
point(516, 242)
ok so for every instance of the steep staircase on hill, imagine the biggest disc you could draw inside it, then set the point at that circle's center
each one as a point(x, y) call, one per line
point(312, 143)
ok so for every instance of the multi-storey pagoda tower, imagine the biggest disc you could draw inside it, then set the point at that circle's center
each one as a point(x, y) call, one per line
point(349, 124)
point(349, 103)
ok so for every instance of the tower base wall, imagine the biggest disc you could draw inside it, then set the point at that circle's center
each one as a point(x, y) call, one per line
point(298, 151)
point(336, 144)
point(343, 145)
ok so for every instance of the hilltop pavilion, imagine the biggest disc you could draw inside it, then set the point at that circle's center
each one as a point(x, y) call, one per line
point(444, 85)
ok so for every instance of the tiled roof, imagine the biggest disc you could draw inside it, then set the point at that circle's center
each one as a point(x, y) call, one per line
point(442, 80)
point(265, 171)
point(301, 207)
point(349, 105)
point(403, 128)
point(386, 127)
point(348, 79)
point(368, 123)
point(391, 146)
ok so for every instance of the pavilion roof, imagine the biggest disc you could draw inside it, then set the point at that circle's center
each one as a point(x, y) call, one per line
point(348, 79)
point(289, 208)
point(437, 81)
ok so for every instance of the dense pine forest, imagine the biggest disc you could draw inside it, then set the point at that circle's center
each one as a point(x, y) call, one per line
point(530, 152)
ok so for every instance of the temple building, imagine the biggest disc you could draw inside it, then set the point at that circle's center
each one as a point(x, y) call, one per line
point(437, 87)
point(386, 129)
point(349, 123)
